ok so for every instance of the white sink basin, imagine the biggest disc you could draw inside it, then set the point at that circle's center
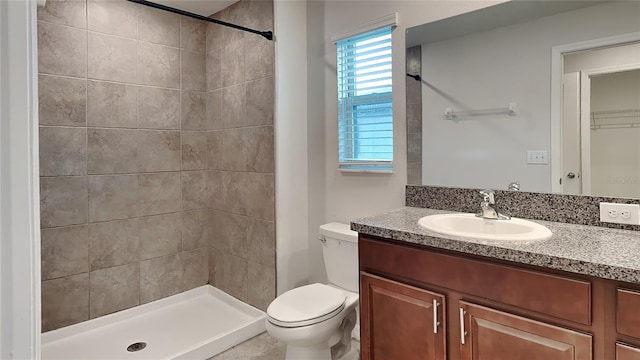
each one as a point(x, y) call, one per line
point(471, 226)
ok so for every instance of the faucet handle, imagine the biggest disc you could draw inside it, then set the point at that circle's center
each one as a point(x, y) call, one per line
point(488, 196)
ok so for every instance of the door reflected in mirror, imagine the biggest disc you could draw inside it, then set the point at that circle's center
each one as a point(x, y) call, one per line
point(584, 139)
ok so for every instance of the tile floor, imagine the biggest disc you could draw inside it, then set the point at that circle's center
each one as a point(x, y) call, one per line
point(261, 347)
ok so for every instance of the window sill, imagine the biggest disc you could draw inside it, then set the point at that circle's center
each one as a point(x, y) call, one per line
point(365, 171)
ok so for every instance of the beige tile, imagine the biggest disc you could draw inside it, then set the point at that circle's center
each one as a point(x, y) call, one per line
point(158, 65)
point(160, 277)
point(216, 182)
point(159, 193)
point(227, 34)
point(261, 285)
point(114, 243)
point(214, 110)
point(193, 110)
point(230, 233)
point(231, 275)
point(62, 50)
point(259, 58)
point(62, 101)
point(113, 289)
point(260, 15)
point(214, 37)
point(258, 144)
point(158, 150)
point(261, 239)
point(260, 196)
point(233, 67)
point(197, 229)
point(414, 173)
point(235, 192)
point(192, 67)
point(112, 58)
point(64, 251)
point(262, 347)
point(260, 102)
point(112, 197)
point(215, 147)
point(63, 201)
point(64, 12)
point(234, 152)
point(194, 150)
point(195, 268)
point(115, 17)
point(193, 34)
point(160, 235)
point(158, 108)
point(65, 301)
point(213, 256)
point(414, 147)
point(414, 118)
point(111, 104)
point(233, 106)
point(196, 190)
point(158, 26)
point(112, 151)
point(214, 70)
point(63, 151)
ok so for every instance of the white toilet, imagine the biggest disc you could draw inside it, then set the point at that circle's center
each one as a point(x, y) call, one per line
point(316, 321)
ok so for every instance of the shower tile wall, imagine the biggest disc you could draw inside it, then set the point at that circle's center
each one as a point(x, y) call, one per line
point(414, 116)
point(240, 98)
point(156, 152)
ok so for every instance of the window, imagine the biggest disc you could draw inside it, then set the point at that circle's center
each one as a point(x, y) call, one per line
point(365, 111)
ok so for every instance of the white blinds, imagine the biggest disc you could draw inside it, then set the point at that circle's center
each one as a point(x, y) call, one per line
point(365, 112)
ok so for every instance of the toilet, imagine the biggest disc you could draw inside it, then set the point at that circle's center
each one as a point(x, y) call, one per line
point(316, 321)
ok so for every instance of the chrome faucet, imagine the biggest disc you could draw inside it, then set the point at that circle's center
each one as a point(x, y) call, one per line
point(488, 208)
point(514, 186)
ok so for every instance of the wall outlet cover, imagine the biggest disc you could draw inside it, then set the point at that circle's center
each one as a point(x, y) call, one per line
point(620, 213)
point(537, 157)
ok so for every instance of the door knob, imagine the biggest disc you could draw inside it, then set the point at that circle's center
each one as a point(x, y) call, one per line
point(571, 175)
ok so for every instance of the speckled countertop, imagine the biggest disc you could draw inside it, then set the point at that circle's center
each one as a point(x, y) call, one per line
point(590, 250)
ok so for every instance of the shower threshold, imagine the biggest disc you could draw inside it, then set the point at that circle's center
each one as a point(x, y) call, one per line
point(196, 324)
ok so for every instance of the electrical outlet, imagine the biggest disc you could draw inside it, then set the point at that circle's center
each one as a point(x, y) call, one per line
point(538, 157)
point(620, 213)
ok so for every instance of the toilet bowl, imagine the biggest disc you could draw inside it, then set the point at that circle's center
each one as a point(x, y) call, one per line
point(316, 321)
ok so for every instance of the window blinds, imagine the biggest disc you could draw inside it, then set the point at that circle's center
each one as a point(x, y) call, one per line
point(365, 111)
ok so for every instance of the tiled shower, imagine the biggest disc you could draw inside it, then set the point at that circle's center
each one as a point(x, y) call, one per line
point(156, 156)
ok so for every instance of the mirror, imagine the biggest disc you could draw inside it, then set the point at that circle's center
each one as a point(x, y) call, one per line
point(489, 107)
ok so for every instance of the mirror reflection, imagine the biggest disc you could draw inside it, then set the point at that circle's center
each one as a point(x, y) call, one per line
point(542, 93)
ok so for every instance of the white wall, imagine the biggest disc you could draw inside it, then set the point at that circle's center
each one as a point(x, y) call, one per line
point(19, 186)
point(489, 70)
point(336, 196)
point(292, 198)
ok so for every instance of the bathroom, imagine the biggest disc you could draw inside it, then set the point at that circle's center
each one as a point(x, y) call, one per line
point(300, 173)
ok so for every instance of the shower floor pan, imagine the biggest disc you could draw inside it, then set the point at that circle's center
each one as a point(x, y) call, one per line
point(195, 324)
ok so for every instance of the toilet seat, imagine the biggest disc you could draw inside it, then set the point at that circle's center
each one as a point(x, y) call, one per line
point(306, 305)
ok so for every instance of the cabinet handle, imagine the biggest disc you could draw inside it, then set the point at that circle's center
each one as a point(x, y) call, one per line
point(435, 316)
point(462, 332)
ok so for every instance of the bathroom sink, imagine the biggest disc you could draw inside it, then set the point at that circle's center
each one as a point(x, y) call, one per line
point(471, 226)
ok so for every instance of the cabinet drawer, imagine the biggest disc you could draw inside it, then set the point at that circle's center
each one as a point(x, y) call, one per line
point(627, 314)
point(564, 298)
point(624, 352)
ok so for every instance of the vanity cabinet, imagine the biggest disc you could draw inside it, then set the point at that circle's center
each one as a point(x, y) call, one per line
point(401, 320)
point(487, 309)
point(492, 334)
point(625, 352)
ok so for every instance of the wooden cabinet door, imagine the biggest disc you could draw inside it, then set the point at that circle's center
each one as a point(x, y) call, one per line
point(399, 321)
point(626, 352)
point(494, 335)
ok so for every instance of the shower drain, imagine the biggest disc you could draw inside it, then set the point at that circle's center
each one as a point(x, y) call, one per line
point(136, 346)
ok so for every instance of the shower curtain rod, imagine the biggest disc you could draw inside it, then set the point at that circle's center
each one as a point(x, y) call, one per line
point(267, 34)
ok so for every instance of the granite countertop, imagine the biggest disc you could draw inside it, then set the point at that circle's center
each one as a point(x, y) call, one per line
point(590, 250)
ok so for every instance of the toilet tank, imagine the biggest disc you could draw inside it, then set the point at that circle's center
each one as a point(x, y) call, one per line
point(340, 252)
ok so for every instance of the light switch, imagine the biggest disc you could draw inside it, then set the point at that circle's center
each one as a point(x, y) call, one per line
point(537, 157)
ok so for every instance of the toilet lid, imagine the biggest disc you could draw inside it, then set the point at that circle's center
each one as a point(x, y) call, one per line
point(309, 302)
